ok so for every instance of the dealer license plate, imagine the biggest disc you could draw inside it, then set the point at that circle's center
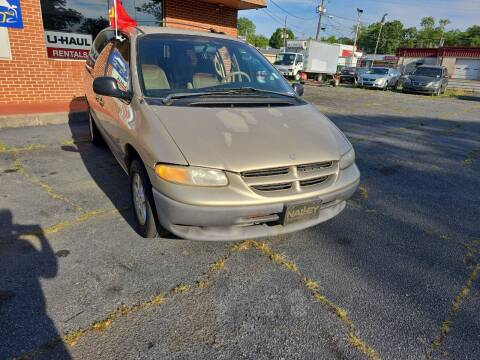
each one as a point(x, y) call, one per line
point(302, 212)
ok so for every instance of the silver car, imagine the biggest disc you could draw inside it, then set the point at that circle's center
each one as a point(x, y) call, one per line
point(217, 144)
point(380, 78)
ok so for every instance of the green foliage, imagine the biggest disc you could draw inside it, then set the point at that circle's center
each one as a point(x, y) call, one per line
point(430, 34)
point(246, 27)
point(258, 41)
point(277, 40)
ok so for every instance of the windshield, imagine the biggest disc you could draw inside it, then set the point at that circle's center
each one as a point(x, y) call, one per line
point(378, 71)
point(285, 59)
point(188, 64)
point(430, 72)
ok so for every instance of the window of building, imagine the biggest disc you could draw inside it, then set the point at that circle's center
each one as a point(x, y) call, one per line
point(91, 16)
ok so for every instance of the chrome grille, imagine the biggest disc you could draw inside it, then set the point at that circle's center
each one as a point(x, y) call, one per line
point(314, 167)
point(266, 172)
point(291, 180)
point(273, 187)
point(312, 182)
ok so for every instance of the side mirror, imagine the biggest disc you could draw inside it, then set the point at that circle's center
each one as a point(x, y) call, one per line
point(298, 88)
point(108, 86)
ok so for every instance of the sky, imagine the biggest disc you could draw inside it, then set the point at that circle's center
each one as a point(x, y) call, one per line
point(303, 17)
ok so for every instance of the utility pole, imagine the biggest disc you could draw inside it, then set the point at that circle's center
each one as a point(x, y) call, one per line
point(378, 40)
point(321, 11)
point(285, 35)
point(359, 14)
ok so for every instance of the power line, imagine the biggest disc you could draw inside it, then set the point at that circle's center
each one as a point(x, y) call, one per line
point(289, 13)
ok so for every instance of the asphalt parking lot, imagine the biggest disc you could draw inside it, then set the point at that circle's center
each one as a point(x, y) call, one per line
point(395, 276)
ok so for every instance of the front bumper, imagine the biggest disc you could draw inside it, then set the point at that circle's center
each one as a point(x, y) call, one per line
point(347, 78)
point(373, 85)
point(419, 89)
point(232, 223)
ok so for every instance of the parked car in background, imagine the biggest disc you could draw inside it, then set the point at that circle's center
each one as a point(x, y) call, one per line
point(347, 75)
point(351, 74)
point(290, 65)
point(217, 144)
point(379, 78)
point(426, 79)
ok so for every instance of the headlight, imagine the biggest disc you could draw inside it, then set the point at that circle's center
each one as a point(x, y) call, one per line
point(407, 81)
point(347, 159)
point(380, 81)
point(189, 175)
point(433, 84)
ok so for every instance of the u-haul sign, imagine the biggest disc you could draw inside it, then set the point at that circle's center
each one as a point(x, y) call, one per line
point(67, 46)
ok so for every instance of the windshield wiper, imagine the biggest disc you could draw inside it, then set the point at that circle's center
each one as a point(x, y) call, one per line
point(168, 100)
point(252, 90)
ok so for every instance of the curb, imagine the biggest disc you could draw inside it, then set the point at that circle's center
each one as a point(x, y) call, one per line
point(15, 121)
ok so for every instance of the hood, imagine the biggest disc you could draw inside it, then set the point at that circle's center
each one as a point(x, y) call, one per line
point(423, 79)
point(374, 76)
point(252, 138)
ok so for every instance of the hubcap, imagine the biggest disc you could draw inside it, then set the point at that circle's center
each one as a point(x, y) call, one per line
point(139, 199)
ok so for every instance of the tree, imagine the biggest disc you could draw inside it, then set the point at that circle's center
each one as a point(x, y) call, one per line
point(246, 27)
point(277, 40)
point(56, 15)
point(428, 34)
point(345, 40)
point(94, 26)
point(331, 39)
point(154, 8)
point(409, 37)
point(258, 41)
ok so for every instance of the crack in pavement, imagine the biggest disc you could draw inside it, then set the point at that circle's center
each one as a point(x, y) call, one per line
point(49, 190)
point(73, 337)
point(353, 337)
point(471, 261)
point(67, 224)
point(205, 281)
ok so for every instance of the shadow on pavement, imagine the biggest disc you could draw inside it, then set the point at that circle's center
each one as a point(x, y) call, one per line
point(24, 323)
point(101, 165)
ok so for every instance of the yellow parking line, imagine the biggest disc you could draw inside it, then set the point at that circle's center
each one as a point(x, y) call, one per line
point(44, 186)
point(280, 259)
point(73, 337)
point(471, 257)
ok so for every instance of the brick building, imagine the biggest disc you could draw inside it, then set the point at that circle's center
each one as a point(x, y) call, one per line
point(40, 77)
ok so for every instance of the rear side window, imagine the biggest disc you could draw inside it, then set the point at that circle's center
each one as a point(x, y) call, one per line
point(118, 65)
point(99, 44)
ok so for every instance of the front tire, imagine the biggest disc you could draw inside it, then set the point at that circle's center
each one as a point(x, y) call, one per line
point(142, 201)
point(297, 77)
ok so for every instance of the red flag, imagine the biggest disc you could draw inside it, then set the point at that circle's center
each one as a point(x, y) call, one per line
point(120, 17)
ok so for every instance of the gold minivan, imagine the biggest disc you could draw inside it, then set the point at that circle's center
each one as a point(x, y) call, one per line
point(217, 144)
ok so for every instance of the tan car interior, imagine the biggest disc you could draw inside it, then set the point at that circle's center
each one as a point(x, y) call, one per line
point(161, 73)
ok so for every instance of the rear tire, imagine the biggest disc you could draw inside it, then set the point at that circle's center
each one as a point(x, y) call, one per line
point(143, 204)
point(95, 136)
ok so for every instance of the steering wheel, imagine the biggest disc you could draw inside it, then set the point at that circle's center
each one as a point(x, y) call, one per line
point(239, 73)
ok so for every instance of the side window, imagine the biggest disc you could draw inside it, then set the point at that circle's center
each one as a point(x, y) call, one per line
point(99, 44)
point(118, 65)
point(100, 66)
point(300, 59)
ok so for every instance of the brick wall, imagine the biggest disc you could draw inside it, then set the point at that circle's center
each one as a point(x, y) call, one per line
point(198, 15)
point(31, 83)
